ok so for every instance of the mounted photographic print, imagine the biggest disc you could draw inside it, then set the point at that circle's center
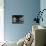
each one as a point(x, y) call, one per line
point(17, 19)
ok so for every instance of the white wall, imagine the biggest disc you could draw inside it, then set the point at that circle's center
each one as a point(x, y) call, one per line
point(1, 20)
point(43, 6)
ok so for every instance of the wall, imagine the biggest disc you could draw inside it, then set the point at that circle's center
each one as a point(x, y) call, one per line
point(13, 32)
point(43, 6)
point(1, 20)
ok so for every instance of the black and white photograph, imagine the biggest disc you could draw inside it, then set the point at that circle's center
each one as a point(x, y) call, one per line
point(17, 19)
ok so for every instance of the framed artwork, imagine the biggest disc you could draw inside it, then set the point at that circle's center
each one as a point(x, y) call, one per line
point(17, 19)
